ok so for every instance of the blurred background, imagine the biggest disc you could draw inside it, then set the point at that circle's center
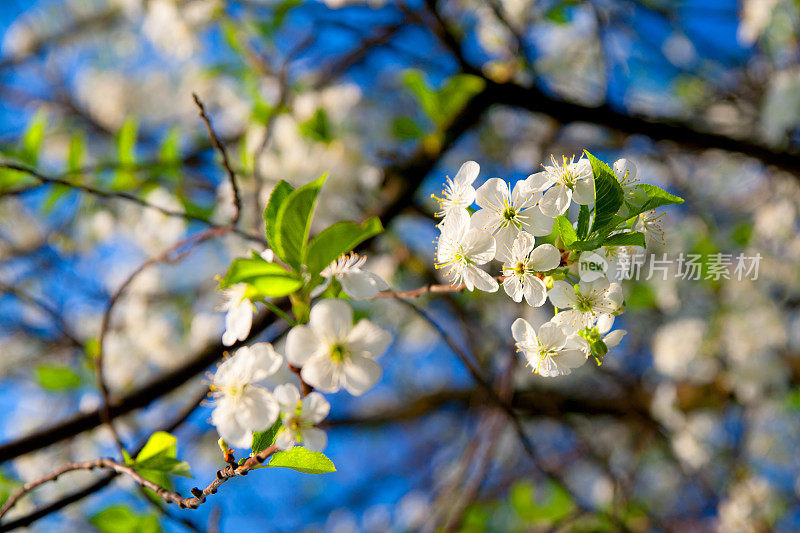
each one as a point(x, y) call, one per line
point(692, 424)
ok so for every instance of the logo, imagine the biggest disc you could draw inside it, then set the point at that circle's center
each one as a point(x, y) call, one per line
point(592, 266)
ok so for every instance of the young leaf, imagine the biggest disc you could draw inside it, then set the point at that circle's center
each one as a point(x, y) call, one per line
point(404, 128)
point(657, 197)
point(337, 239)
point(268, 279)
point(565, 230)
point(264, 439)
point(57, 378)
point(302, 460)
point(608, 193)
point(455, 93)
point(158, 455)
point(126, 154)
point(318, 127)
point(279, 194)
point(294, 222)
point(32, 139)
point(629, 238)
point(426, 96)
point(120, 519)
point(583, 222)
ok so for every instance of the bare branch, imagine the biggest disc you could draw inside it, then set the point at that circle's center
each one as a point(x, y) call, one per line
point(237, 202)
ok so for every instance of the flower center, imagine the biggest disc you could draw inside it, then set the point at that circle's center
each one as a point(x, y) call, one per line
point(584, 303)
point(338, 353)
point(509, 214)
point(520, 269)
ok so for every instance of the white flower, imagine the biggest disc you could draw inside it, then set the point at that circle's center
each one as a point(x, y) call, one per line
point(333, 353)
point(625, 170)
point(358, 283)
point(600, 331)
point(502, 208)
point(458, 192)
point(299, 418)
point(548, 353)
point(239, 314)
point(521, 264)
point(241, 405)
point(586, 301)
point(461, 248)
point(563, 182)
point(649, 223)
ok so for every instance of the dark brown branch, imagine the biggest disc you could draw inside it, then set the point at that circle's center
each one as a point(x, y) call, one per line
point(659, 129)
point(237, 201)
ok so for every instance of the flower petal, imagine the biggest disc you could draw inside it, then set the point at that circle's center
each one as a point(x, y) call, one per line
point(562, 295)
point(555, 200)
point(258, 409)
point(331, 319)
point(613, 339)
point(315, 408)
point(538, 223)
point(479, 246)
point(522, 331)
point(477, 278)
point(584, 192)
point(552, 336)
point(492, 194)
point(360, 374)
point(545, 257)
point(287, 397)
point(535, 292)
point(322, 373)
point(467, 173)
point(368, 340)
point(301, 343)
point(314, 439)
point(504, 241)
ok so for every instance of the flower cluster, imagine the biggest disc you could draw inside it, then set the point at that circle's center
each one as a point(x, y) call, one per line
point(330, 352)
point(541, 251)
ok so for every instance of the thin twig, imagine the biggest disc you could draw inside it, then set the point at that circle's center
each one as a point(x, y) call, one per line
point(237, 202)
point(198, 496)
point(124, 196)
point(174, 253)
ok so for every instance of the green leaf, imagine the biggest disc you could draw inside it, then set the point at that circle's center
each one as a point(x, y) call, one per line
point(57, 378)
point(302, 460)
point(455, 94)
point(406, 129)
point(656, 197)
point(267, 279)
point(583, 222)
point(169, 154)
point(31, 142)
point(608, 193)
point(318, 127)
point(565, 230)
point(120, 519)
point(264, 439)
point(441, 106)
point(425, 95)
point(591, 244)
point(158, 455)
point(126, 154)
point(294, 222)
point(337, 239)
point(279, 194)
point(77, 152)
point(629, 238)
